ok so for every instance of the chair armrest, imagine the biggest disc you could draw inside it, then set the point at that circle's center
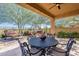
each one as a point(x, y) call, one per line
point(62, 44)
point(58, 50)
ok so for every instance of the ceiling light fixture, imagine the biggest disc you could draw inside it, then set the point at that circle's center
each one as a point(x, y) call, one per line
point(58, 5)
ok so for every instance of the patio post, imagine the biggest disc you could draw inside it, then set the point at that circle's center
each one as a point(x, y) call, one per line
point(52, 29)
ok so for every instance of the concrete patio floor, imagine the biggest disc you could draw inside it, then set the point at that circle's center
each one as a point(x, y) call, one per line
point(15, 49)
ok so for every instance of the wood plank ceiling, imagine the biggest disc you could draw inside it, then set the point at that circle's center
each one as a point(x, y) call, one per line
point(51, 10)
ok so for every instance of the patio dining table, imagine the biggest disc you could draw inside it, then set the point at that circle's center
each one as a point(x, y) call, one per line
point(43, 44)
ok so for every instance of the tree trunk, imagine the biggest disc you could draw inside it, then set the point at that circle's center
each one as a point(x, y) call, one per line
point(46, 29)
point(19, 29)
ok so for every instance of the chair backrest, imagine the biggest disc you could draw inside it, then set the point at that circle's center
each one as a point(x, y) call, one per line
point(70, 44)
point(22, 47)
point(27, 46)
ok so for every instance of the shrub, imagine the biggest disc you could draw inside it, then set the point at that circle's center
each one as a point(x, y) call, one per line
point(26, 33)
point(3, 36)
point(67, 34)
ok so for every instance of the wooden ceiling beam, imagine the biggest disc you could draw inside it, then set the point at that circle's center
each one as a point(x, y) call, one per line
point(26, 6)
point(72, 13)
point(36, 6)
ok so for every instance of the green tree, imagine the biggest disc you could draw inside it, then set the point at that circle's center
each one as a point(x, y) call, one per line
point(18, 15)
point(38, 21)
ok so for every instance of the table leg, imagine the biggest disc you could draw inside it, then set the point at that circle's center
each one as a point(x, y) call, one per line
point(43, 52)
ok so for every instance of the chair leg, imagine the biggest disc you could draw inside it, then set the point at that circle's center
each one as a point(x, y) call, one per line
point(67, 54)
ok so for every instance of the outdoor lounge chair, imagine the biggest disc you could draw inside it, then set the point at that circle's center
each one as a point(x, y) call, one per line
point(60, 52)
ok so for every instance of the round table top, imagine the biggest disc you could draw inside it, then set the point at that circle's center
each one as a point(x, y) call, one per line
point(37, 42)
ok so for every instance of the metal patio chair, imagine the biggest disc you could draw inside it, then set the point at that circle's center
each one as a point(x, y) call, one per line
point(60, 52)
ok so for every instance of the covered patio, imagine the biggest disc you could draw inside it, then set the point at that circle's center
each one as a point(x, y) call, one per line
point(53, 11)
